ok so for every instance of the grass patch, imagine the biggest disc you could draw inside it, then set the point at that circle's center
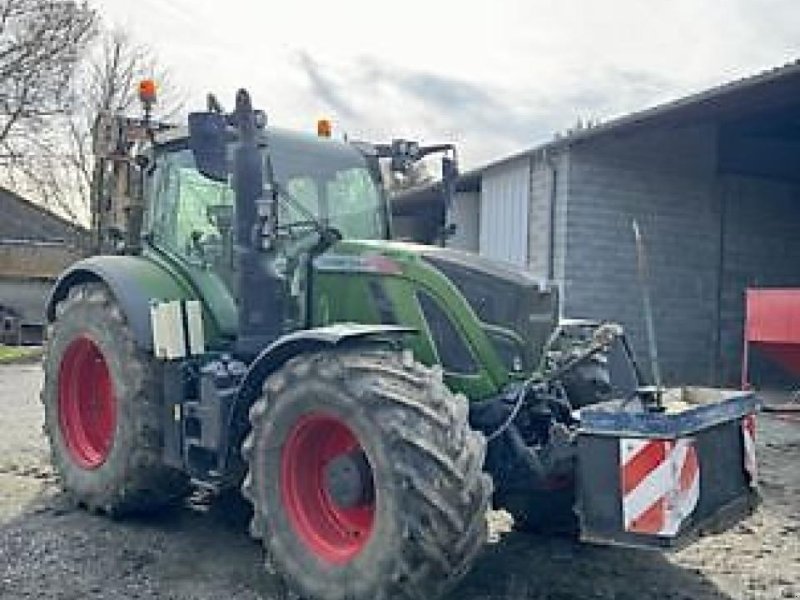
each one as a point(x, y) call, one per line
point(12, 354)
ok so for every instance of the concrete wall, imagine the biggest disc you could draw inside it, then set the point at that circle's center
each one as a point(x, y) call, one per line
point(666, 181)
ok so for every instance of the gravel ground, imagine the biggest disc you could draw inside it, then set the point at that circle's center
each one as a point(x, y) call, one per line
point(201, 551)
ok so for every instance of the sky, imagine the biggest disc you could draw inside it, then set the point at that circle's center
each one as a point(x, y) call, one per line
point(493, 77)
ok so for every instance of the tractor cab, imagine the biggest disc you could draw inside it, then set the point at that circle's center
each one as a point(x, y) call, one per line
point(318, 180)
point(241, 208)
point(322, 186)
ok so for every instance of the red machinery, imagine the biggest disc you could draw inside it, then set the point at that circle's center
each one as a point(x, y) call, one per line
point(772, 324)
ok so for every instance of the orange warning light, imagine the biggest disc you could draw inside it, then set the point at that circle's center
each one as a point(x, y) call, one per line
point(147, 91)
point(324, 128)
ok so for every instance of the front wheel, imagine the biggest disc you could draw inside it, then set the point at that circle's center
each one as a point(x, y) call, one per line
point(103, 409)
point(365, 477)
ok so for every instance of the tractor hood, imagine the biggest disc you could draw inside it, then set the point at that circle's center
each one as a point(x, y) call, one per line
point(503, 298)
point(493, 304)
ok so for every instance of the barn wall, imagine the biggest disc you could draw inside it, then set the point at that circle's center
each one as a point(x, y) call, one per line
point(24, 298)
point(665, 180)
point(544, 182)
point(761, 249)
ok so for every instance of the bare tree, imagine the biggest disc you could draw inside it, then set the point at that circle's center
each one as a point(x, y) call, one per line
point(41, 43)
point(53, 160)
point(107, 83)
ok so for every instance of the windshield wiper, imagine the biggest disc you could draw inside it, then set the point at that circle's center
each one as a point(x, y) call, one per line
point(284, 194)
point(327, 233)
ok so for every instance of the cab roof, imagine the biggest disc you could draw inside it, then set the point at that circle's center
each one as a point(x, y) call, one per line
point(288, 140)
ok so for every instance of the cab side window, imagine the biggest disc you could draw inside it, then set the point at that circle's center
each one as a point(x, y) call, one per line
point(190, 211)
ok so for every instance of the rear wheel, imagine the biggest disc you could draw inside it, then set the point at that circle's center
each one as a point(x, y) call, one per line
point(103, 409)
point(365, 477)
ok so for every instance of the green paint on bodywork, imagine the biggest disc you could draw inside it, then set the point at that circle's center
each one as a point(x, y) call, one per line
point(136, 281)
point(219, 306)
point(341, 293)
point(161, 281)
point(344, 283)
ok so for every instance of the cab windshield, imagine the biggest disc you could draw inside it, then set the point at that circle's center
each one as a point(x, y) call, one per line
point(332, 181)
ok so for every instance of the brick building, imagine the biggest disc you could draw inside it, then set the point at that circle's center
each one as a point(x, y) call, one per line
point(714, 182)
point(35, 246)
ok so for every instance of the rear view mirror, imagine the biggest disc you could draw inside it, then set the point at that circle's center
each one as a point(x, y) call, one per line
point(207, 141)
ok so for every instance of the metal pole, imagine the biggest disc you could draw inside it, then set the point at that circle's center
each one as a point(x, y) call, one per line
point(641, 259)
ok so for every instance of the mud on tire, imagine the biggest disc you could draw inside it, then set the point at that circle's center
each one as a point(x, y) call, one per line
point(428, 519)
point(117, 468)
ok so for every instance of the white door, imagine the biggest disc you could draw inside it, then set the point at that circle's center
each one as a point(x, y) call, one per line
point(503, 229)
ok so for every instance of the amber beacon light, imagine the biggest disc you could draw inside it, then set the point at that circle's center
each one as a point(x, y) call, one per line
point(324, 128)
point(147, 91)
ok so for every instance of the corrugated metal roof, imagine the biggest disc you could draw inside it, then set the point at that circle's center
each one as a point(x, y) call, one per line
point(722, 99)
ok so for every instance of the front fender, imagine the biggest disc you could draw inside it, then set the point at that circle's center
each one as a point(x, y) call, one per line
point(134, 282)
point(310, 340)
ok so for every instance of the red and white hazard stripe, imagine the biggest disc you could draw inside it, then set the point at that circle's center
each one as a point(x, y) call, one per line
point(660, 482)
point(749, 437)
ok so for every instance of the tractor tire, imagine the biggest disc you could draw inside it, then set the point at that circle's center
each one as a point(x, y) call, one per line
point(410, 517)
point(103, 409)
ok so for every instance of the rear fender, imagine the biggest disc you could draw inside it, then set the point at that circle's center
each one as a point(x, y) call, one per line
point(313, 340)
point(134, 282)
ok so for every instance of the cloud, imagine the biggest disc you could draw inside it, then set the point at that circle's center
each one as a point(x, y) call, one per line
point(508, 76)
point(331, 93)
point(488, 120)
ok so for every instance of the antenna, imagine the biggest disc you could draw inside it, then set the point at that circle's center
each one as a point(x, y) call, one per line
point(644, 284)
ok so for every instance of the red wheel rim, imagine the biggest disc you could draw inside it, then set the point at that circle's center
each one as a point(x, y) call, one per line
point(333, 533)
point(87, 408)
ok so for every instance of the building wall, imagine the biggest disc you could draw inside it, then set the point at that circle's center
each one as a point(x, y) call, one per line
point(24, 297)
point(35, 246)
point(35, 260)
point(708, 236)
point(666, 181)
point(505, 193)
point(761, 248)
point(543, 185)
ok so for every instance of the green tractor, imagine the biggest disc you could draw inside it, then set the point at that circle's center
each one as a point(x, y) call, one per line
point(246, 322)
